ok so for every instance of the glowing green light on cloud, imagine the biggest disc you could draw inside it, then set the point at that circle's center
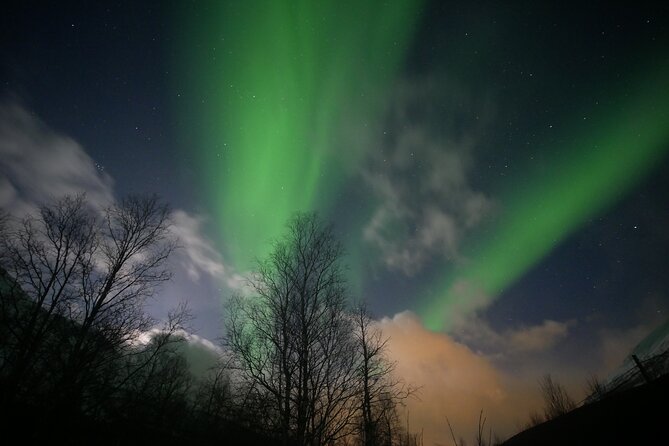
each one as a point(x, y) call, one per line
point(619, 148)
point(276, 85)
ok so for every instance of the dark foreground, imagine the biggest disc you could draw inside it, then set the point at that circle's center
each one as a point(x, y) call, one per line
point(633, 417)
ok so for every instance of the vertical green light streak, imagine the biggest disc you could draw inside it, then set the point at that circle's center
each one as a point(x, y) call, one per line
point(620, 149)
point(275, 86)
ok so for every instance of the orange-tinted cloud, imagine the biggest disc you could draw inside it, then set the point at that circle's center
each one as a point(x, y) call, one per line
point(458, 383)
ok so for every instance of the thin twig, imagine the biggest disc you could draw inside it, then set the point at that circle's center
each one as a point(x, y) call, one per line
point(455, 442)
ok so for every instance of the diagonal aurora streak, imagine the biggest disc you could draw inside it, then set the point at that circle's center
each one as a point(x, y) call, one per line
point(274, 90)
point(274, 85)
point(602, 163)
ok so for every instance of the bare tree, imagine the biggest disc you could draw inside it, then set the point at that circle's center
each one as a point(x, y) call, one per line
point(214, 398)
point(594, 388)
point(450, 428)
point(535, 419)
point(556, 399)
point(556, 402)
point(142, 370)
point(293, 340)
point(380, 391)
point(133, 244)
point(156, 383)
point(480, 433)
point(480, 438)
point(43, 259)
point(73, 288)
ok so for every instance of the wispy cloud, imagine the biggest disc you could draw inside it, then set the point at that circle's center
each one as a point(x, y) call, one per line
point(202, 354)
point(455, 382)
point(38, 165)
point(520, 340)
point(420, 176)
point(537, 338)
point(198, 255)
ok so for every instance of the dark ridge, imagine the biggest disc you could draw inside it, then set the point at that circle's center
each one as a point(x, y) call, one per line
point(635, 416)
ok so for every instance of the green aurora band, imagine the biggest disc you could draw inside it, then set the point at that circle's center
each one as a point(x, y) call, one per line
point(276, 87)
point(617, 149)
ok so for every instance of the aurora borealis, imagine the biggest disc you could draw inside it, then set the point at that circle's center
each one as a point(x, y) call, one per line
point(497, 174)
point(278, 87)
point(617, 150)
point(277, 97)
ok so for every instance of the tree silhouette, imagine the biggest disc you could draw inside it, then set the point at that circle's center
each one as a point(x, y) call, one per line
point(380, 390)
point(292, 341)
point(556, 399)
point(44, 258)
point(75, 280)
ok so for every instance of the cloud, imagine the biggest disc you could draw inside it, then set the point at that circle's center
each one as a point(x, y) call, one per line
point(455, 382)
point(458, 381)
point(198, 255)
point(479, 368)
point(38, 165)
point(512, 341)
point(539, 337)
point(420, 176)
point(202, 354)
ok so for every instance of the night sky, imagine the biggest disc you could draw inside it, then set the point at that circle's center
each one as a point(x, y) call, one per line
point(497, 174)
